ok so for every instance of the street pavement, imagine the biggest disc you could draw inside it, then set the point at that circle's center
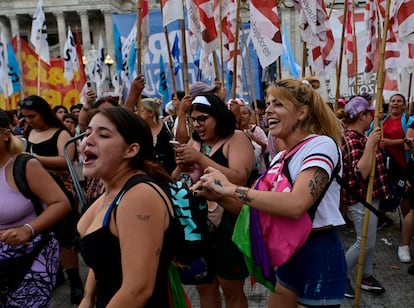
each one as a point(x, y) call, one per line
point(388, 270)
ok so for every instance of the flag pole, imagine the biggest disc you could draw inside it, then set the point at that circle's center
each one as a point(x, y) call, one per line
point(216, 70)
point(355, 49)
point(221, 43)
point(39, 64)
point(341, 53)
point(139, 51)
point(304, 56)
point(184, 54)
point(235, 50)
point(378, 107)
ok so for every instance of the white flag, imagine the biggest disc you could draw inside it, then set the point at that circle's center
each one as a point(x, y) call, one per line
point(171, 10)
point(99, 69)
point(70, 57)
point(265, 34)
point(38, 36)
point(127, 45)
point(5, 81)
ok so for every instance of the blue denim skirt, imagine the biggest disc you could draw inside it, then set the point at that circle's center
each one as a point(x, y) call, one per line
point(318, 270)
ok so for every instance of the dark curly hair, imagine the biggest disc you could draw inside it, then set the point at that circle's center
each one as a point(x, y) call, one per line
point(225, 119)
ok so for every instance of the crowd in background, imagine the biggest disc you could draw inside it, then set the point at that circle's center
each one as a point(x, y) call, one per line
point(229, 142)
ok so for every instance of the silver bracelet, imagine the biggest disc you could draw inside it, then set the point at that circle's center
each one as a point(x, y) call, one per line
point(31, 228)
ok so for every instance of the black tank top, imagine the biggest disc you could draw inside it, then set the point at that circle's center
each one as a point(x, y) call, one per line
point(45, 148)
point(101, 252)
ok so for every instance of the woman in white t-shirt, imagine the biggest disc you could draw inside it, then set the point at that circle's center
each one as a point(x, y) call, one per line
point(315, 276)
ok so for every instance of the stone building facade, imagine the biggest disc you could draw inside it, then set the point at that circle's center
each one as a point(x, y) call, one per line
point(90, 18)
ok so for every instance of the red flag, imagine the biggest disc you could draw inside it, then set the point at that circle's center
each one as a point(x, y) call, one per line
point(80, 57)
point(398, 51)
point(221, 12)
point(371, 58)
point(202, 24)
point(405, 18)
point(349, 42)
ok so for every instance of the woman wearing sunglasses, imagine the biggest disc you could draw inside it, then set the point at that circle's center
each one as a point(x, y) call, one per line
point(215, 142)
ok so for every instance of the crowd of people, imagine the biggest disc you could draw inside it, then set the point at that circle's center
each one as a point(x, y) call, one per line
point(228, 153)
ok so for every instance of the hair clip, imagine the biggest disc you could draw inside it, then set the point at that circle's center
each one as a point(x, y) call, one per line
point(306, 82)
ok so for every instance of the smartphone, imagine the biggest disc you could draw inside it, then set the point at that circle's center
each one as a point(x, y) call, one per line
point(175, 144)
point(91, 86)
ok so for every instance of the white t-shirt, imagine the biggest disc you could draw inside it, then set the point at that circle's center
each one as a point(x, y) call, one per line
point(321, 152)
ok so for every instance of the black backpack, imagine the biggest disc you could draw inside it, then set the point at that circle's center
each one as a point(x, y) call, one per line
point(65, 230)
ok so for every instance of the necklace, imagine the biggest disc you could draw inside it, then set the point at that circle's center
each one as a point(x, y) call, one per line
point(41, 129)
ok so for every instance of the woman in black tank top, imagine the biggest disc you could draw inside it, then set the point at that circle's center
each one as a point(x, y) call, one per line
point(127, 238)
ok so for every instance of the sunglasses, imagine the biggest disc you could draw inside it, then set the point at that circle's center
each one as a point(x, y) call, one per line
point(201, 119)
point(26, 103)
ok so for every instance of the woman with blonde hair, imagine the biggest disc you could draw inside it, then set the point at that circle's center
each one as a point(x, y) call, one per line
point(23, 230)
point(315, 275)
point(161, 135)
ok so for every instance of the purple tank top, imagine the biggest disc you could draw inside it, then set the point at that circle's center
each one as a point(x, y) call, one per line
point(15, 209)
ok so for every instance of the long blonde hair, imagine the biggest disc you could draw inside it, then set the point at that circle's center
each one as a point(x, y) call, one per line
point(320, 119)
point(14, 145)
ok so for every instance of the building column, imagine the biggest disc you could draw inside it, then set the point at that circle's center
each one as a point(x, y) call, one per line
point(60, 18)
point(109, 33)
point(14, 25)
point(86, 37)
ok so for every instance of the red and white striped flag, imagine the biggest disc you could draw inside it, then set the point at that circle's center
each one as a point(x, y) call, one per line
point(172, 10)
point(265, 30)
point(349, 39)
point(405, 18)
point(202, 25)
point(221, 12)
point(398, 50)
point(231, 32)
point(317, 33)
point(371, 28)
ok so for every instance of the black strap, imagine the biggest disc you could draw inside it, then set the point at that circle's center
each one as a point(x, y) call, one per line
point(19, 175)
point(361, 200)
point(131, 182)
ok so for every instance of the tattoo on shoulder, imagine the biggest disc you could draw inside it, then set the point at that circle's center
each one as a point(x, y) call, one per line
point(143, 217)
point(318, 183)
point(158, 252)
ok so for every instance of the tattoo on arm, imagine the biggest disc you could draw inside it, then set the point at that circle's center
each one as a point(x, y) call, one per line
point(241, 194)
point(143, 217)
point(318, 183)
point(158, 252)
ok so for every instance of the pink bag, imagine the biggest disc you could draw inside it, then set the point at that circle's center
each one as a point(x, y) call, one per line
point(282, 236)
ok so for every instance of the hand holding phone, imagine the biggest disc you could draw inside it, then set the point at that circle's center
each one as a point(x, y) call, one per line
point(91, 86)
point(175, 144)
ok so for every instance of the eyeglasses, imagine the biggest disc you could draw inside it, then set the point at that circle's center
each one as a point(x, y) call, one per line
point(26, 103)
point(201, 119)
